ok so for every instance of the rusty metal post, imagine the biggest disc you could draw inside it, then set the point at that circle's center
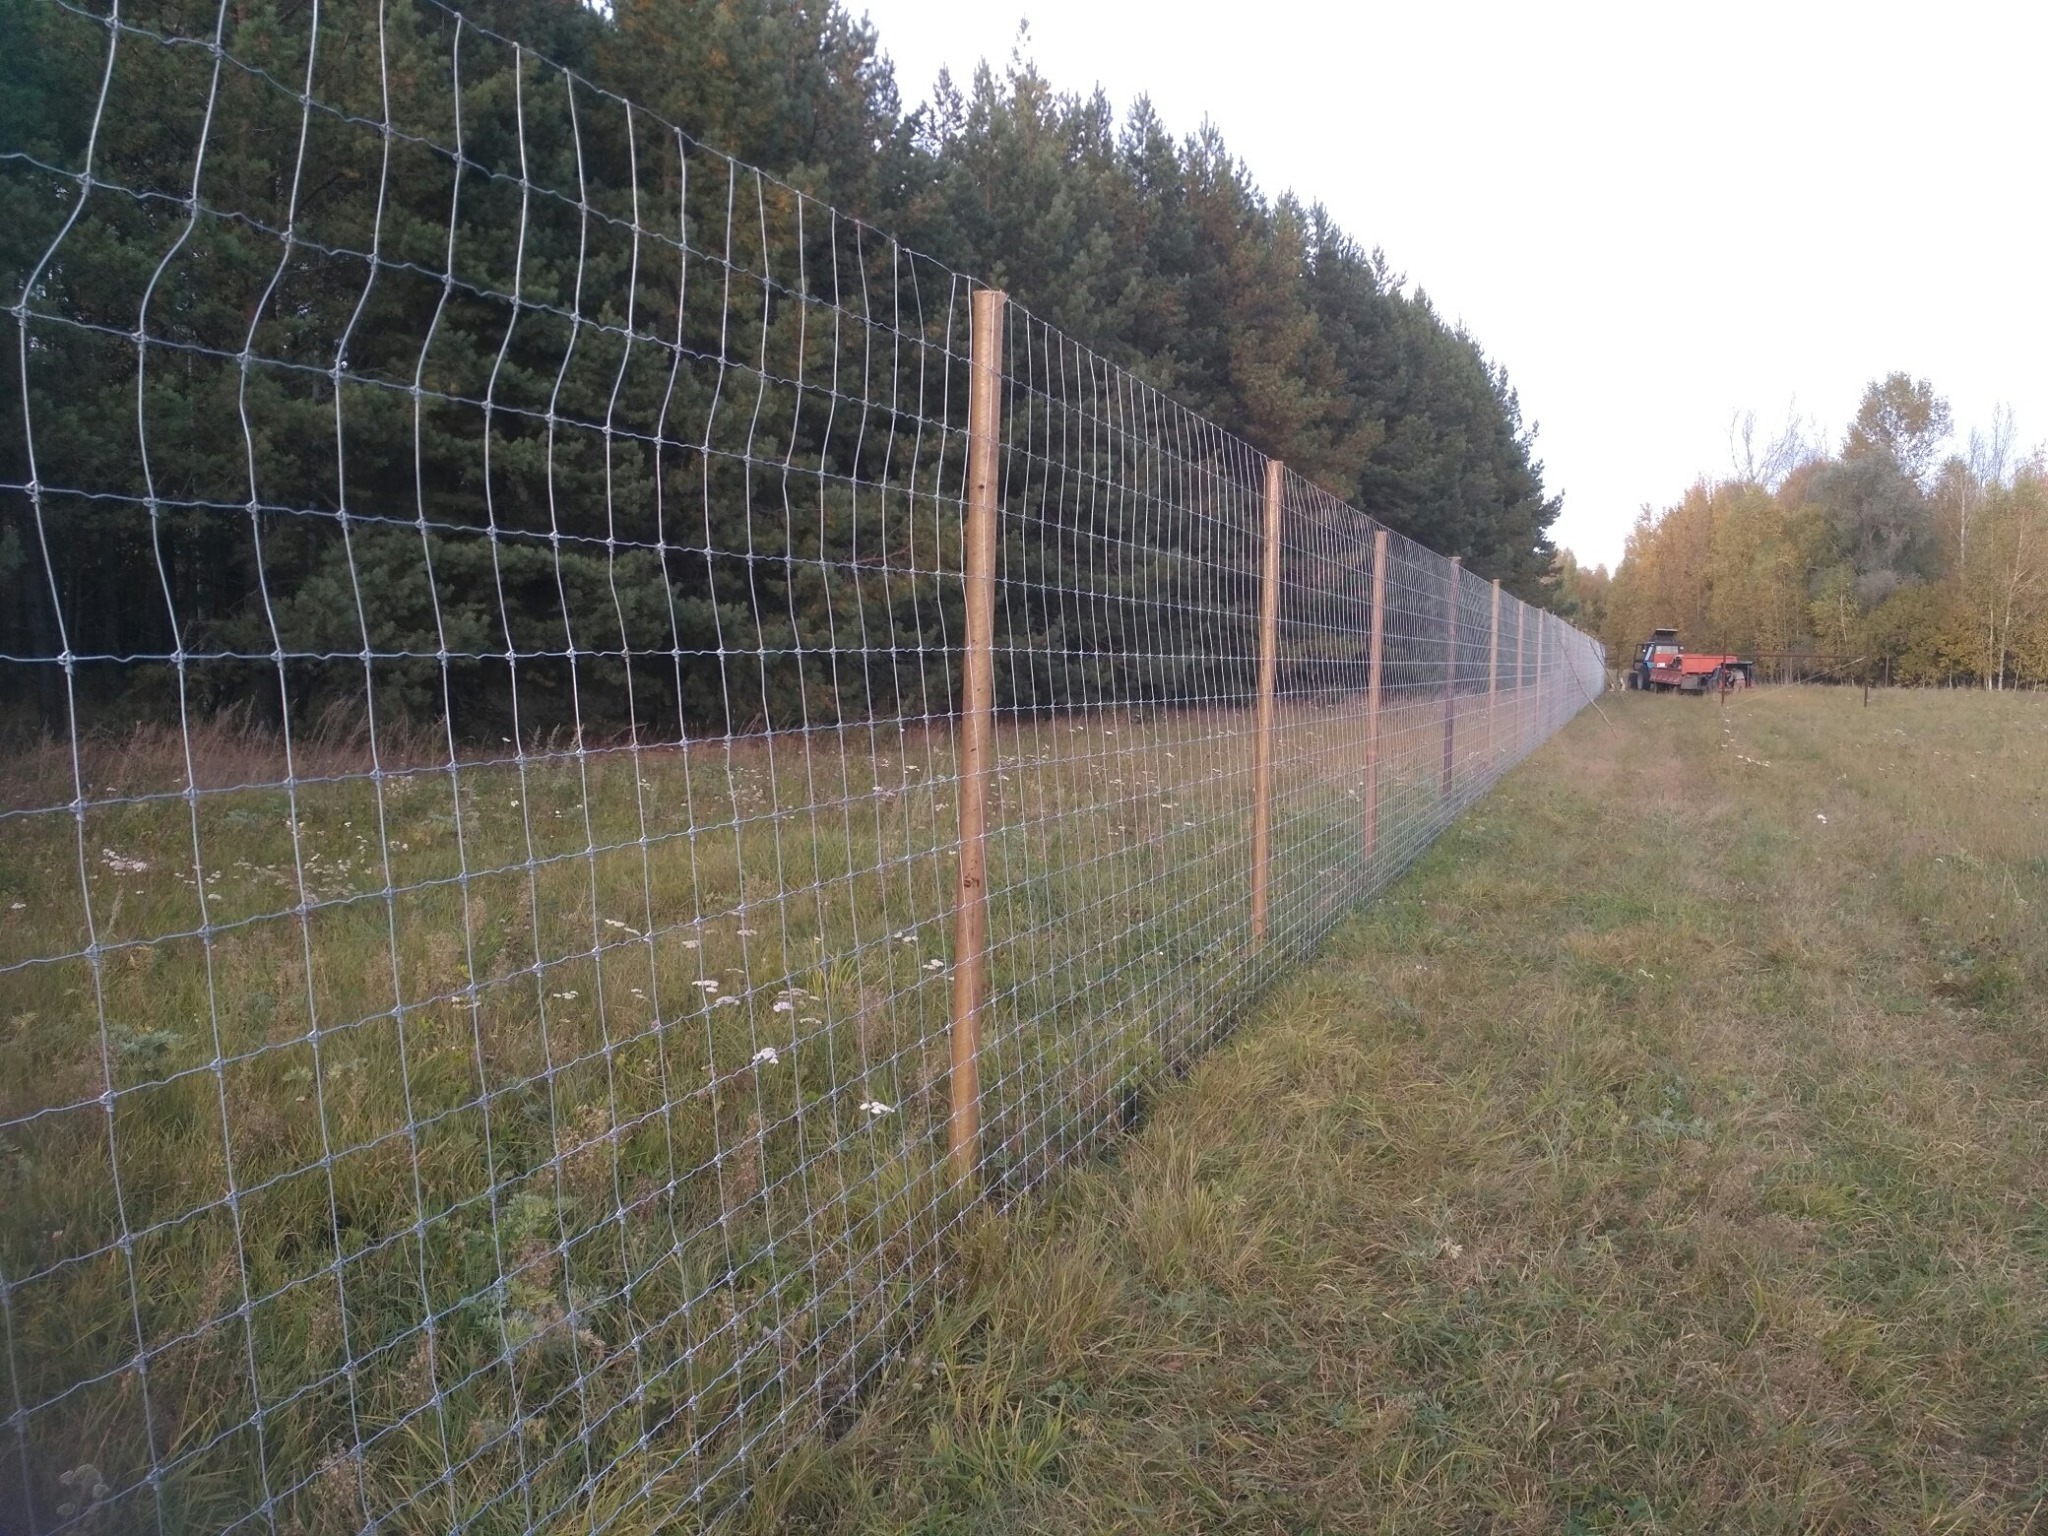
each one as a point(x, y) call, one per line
point(1493, 679)
point(1269, 667)
point(1451, 676)
point(977, 733)
point(1372, 693)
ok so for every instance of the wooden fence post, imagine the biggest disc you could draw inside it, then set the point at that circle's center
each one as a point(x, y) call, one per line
point(1521, 677)
point(1269, 667)
point(1493, 680)
point(977, 732)
point(1372, 694)
point(1451, 674)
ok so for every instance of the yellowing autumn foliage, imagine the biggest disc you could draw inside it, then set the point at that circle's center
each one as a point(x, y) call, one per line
point(1939, 577)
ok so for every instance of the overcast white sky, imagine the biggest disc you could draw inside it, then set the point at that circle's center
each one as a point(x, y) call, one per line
point(1653, 214)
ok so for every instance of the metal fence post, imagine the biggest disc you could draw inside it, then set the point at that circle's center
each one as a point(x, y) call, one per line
point(1372, 693)
point(977, 732)
point(1269, 666)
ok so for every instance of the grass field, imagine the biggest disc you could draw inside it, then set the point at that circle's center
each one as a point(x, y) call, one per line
point(1669, 1152)
point(427, 1149)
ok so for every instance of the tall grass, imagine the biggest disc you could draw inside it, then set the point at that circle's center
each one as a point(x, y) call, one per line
point(551, 1133)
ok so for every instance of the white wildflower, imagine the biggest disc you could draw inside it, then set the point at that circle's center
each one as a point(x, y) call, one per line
point(1821, 817)
point(784, 1005)
point(563, 997)
point(726, 1002)
point(875, 1108)
point(120, 865)
point(935, 965)
point(766, 1057)
point(706, 985)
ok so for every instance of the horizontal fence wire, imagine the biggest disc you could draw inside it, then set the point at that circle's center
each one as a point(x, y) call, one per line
point(485, 668)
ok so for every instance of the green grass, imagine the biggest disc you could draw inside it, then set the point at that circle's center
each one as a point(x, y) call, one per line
point(453, 1181)
point(1668, 1153)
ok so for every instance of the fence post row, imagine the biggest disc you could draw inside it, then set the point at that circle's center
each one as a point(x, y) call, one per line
point(1372, 691)
point(977, 732)
point(977, 726)
point(1269, 666)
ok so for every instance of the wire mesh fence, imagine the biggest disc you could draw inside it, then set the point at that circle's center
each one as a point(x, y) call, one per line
point(492, 650)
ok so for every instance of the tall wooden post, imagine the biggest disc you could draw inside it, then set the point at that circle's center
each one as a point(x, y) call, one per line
point(977, 733)
point(1521, 678)
point(1493, 679)
point(1451, 675)
point(1372, 693)
point(1269, 667)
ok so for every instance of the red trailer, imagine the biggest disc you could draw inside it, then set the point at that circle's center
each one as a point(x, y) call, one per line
point(1663, 666)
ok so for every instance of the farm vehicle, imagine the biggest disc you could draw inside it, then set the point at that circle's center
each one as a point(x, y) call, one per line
point(1662, 665)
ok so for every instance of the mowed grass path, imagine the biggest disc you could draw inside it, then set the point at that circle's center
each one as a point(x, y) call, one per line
point(1668, 1152)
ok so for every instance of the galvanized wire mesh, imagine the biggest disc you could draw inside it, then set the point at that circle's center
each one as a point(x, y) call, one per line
point(478, 921)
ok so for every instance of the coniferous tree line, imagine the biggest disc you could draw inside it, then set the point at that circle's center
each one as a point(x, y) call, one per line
point(421, 466)
point(1892, 554)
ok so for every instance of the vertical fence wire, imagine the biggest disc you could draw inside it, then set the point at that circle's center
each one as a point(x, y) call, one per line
point(487, 666)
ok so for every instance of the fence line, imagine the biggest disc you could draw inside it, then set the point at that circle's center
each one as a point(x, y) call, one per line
point(599, 749)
